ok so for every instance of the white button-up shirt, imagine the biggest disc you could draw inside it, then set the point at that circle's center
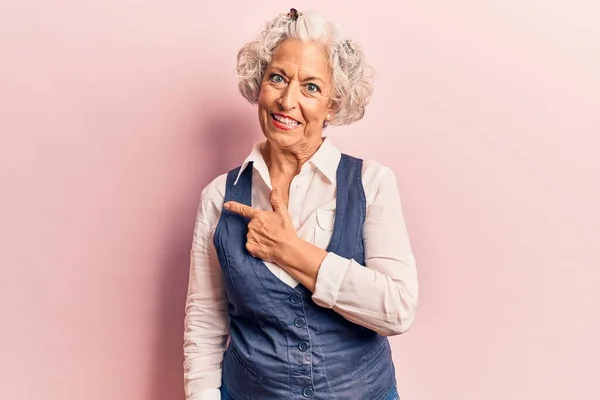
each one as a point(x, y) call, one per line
point(381, 295)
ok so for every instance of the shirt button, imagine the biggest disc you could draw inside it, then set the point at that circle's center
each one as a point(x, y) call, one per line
point(308, 392)
point(295, 298)
point(297, 185)
point(303, 345)
point(299, 322)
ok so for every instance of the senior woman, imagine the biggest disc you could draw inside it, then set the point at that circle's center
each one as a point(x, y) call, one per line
point(301, 265)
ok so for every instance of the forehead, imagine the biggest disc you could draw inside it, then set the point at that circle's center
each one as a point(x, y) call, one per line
point(295, 56)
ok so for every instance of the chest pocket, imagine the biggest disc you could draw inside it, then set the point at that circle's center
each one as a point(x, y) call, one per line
point(324, 227)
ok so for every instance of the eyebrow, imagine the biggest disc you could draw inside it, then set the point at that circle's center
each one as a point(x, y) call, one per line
point(310, 78)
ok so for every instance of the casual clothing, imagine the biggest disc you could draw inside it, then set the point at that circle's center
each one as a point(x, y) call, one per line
point(375, 301)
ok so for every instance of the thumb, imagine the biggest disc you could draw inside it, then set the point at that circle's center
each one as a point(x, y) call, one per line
point(276, 201)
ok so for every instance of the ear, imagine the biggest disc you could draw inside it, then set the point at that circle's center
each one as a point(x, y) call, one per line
point(333, 108)
point(331, 111)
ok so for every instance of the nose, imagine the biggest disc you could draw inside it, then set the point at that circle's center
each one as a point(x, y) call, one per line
point(289, 96)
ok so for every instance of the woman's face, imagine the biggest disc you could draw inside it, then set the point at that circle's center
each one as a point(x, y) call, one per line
point(295, 96)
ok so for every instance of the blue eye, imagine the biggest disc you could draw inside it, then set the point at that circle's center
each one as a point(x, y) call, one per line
point(276, 78)
point(313, 88)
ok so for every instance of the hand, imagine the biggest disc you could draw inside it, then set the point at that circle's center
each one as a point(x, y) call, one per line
point(268, 231)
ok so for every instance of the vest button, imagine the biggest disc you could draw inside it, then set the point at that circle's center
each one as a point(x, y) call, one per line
point(299, 322)
point(295, 298)
point(308, 392)
point(303, 345)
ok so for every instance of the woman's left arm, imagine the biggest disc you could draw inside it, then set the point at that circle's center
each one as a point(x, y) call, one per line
point(382, 296)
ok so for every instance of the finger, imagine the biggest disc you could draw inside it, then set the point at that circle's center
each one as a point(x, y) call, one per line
point(276, 201)
point(250, 249)
point(241, 209)
point(254, 225)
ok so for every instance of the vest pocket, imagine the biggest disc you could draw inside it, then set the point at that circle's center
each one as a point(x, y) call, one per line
point(370, 361)
point(246, 367)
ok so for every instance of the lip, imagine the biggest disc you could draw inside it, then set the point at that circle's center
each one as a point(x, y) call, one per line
point(285, 116)
point(281, 126)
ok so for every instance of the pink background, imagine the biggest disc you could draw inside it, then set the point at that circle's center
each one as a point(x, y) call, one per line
point(115, 114)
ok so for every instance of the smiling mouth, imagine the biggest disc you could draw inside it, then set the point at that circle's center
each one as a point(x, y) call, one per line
point(284, 122)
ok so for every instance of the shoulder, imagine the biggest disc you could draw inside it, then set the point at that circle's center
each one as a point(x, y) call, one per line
point(377, 178)
point(374, 171)
point(211, 202)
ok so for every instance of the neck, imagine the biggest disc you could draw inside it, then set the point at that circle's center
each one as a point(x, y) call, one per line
point(288, 162)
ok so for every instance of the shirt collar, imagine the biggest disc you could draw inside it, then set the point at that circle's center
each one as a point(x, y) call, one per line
point(258, 161)
point(325, 159)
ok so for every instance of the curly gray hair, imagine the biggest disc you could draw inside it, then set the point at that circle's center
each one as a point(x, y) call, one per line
point(352, 78)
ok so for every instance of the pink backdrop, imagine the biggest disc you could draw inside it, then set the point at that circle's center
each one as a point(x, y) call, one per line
point(115, 114)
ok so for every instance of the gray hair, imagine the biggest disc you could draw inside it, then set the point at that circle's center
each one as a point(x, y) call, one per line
point(352, 78)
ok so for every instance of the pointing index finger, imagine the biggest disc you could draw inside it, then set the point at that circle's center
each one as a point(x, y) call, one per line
point(241, 209)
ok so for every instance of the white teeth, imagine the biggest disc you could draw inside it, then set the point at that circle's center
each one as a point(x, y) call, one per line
point(286, 120)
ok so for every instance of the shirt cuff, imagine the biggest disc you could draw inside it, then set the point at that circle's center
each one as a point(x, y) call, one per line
point(329, 279)
point(207, 394)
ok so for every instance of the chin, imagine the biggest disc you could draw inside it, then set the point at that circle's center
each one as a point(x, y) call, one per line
point(283, 139)
point(283, 136)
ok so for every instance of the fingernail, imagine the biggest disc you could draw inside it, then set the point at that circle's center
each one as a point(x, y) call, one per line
point(226, 205)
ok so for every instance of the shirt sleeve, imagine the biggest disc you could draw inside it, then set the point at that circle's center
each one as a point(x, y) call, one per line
point(206, 319)
point(383, 296)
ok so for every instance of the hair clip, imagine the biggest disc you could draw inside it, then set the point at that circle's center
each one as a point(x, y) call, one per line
point(294, 14)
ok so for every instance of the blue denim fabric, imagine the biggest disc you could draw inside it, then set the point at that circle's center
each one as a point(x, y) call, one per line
point(225, 395)
point(392, 395)
point(283, 345)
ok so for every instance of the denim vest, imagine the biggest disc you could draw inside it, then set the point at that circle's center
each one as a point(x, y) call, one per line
point(282, 344)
